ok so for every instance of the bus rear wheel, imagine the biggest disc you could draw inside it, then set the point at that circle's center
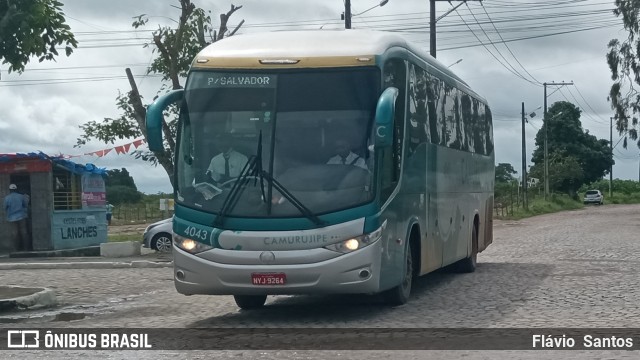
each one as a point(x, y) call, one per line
point(247, 302)
point(468, 265)
point(399, 295)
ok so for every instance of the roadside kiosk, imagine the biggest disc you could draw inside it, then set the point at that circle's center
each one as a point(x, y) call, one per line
point(66, 201)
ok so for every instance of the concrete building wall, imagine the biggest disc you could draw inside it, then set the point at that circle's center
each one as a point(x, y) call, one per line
point(41, 210)
point(7, 233)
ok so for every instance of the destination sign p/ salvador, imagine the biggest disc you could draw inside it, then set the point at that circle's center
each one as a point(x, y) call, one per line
point(241, 80)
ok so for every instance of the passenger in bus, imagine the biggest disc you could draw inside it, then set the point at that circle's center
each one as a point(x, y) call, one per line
point(345, 156)
point(227, 164)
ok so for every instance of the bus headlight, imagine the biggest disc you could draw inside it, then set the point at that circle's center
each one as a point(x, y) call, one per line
point(357, 242)
point(190, 245)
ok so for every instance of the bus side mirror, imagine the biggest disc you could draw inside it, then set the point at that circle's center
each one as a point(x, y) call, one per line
point(154, 118)
point(385, 112)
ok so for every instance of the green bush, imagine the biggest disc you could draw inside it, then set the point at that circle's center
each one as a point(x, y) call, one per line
point(621, 198)
point(538, 206)
point(626, 187)
point(624, 192)
point(118, 194)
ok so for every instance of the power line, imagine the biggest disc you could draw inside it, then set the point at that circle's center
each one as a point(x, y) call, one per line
point(588, 104)
point(549, 15)
point(580, 105)
point(505, 44)
point(494, 46)
point(86, 23)
point(624, 156)
point(622, 138)
point(420, 16)
point(525, 38)
point(31, 82)
point(489, 51)
point(86, 67)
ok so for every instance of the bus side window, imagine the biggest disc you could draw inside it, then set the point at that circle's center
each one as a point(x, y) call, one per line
point(395, 74)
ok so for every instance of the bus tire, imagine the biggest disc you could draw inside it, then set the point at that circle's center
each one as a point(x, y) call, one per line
point(247, 302)
point(468, 265)
point(399, 295)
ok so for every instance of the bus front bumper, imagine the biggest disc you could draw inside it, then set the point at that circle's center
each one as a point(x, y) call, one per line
point(353, 273)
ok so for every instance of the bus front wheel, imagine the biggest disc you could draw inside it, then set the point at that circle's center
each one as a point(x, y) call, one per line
point(247, 302)
point(399, 295)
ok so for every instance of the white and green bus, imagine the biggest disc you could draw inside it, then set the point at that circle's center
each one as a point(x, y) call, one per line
point(325, 162)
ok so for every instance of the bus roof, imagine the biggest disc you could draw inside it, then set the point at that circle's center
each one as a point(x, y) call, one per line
point(326, 47)
point(311, 43)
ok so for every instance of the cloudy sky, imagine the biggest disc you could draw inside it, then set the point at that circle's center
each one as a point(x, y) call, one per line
point(546, 41)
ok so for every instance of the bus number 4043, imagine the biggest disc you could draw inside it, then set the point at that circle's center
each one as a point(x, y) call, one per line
point(196, 233)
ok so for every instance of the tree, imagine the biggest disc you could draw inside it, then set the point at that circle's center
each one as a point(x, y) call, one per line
point(118, 177)
point(565, 173)
point(32, 28)
point(624, 62)
point(504, 173)
point(569, 145)
point(175, 46)
point(121, 189)
point(119, 194)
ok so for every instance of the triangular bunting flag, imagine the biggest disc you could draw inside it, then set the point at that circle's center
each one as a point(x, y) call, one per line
point(106, 151)
point(127, 147)
point(138, 142)
point(119, 149)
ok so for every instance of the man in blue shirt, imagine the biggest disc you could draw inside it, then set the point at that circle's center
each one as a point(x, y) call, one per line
point(15, 206)
point(109, 212)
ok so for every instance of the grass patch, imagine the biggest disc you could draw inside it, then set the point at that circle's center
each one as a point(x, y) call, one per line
point(539, 206)
point(124, 237)
point(562, 202)
point(620, 198)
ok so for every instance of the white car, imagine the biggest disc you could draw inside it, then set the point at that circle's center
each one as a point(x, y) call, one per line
point(159, 236)
point(594, 197)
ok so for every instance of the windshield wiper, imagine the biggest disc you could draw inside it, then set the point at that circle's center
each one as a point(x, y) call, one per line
point(294, 201)
point(234, 195)
point(253, 167)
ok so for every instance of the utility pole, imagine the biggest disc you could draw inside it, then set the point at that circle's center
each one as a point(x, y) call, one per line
point(432, 28)
point(546, 151)
point(610, 147)
point(524, 163)
point(347, 14)
point(433, 21)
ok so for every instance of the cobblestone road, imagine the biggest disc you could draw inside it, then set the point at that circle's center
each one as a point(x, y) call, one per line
point(572, 269)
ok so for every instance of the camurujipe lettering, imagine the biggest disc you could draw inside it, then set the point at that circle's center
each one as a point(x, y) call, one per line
point(298, 239)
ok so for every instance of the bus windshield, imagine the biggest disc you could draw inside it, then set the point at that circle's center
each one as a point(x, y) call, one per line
point(310, 130)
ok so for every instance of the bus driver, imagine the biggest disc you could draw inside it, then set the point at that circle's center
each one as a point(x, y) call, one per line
point(227, 164)
point(345, 156)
